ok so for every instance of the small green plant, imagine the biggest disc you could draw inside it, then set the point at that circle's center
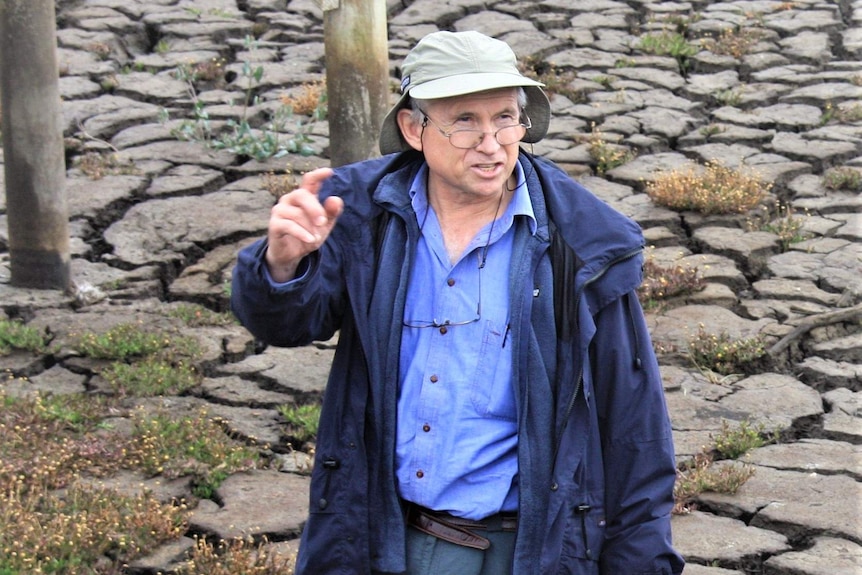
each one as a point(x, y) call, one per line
point(662, 283)
point(717, 190)
point(109, 83)
point(701, 476)
point(712, 130)
point(729, 97)
point(733, 443)
point(847, 114)
point(241, 556)
point(722, 354)
point(667, 43)
point(195, 446)
point(302, 420)
point(606, 155)
point(16, 335)
point(781, 221)
point(605, 81)
point(162, 47)
point(843, 178)
point(625, 63)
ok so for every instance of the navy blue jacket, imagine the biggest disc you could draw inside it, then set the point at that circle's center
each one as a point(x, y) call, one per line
point(595, 453)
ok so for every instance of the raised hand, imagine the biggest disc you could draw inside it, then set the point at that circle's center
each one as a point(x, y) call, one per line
point(299, 224)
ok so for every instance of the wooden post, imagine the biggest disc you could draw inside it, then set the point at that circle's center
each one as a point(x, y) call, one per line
point(34, 160)
point(357, 77)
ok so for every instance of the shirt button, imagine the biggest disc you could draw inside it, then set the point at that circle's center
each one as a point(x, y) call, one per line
point(426, 428)
point(434, 379)
point(443, 330)
point(450, 282)
point(420, 474)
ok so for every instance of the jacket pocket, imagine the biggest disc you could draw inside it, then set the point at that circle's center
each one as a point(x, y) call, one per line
point(584, 538)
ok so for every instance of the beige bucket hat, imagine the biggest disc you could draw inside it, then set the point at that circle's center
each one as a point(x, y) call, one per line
point(446, 64)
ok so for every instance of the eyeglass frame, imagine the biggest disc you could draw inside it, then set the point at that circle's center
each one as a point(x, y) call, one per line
point(421, 324)
point(448, 135)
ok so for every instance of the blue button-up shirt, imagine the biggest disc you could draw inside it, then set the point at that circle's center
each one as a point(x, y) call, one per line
point(457, 423)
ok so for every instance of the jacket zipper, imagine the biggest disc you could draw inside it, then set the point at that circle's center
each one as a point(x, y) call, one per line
point(584, 508)
point(598, 275)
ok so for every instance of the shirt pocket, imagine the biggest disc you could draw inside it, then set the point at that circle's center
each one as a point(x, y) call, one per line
point(491, 390)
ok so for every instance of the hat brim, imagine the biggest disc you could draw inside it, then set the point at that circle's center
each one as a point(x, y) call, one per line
point(538, 107)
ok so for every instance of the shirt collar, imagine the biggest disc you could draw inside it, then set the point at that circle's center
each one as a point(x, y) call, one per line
point(519, 206)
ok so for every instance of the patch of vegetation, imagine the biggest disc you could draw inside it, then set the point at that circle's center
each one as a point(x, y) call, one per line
point(302, 420)
point(843, 178)
point(606, 155)
point(781, 221)
point(15, 335)
point(661, 283)
point(208, 71)
point(145, 363)
point(733, 443)
point(151, 377)
point(668, 43)
point(80, 529)
point(723, 354)
point(729, 97)
point(736, 41)
point(280, 184)
point(194, 315)
point(236, 557)
point(712, 130)
point(50, 523)
point(97, 165)
point(238, 136)
point(125, 341)
point(717, 190)
point(310, 102)
point(701, 476)
point(162, 47)
point(605, 82)
point(555, 79)
point(194, 445)
point(845, 115)
point(102, 50)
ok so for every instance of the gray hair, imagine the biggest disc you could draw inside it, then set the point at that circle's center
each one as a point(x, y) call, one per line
point(417, 105)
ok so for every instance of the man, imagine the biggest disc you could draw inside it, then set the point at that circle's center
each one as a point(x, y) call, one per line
point(494, 405)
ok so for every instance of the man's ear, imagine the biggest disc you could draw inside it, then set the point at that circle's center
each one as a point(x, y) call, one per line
point(411, 130)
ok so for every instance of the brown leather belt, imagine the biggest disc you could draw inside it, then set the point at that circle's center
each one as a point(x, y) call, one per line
point(458, 530)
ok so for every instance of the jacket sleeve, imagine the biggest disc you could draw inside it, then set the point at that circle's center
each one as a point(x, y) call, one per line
point(637, 445)
point(295, 313)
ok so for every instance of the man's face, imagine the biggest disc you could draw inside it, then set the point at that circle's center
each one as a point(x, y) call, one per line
point(478, 173)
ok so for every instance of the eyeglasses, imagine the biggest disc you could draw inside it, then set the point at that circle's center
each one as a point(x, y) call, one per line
point(467, 139)
point(435, 323)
